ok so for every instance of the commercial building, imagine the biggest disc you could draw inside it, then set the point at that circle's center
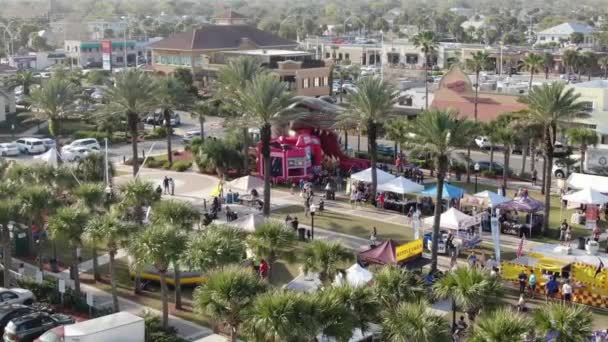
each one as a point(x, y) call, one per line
point(594, 95)
point(86, 52)
point(36, 60)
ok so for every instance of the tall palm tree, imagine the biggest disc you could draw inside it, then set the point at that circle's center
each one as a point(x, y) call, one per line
point(570, 323)
point(24, 79)
point(439, 133)
point(264, 101)
point(478, 62)
point(8, 210)
point(501, 326)
point(471, 289)
point(233, 78)
point(394, 285)
point(571, 59)
point(333, 317)
point(133, 95)
point(171, 93)
point(362, 302)
point(584, 137)
point(589, 62)
point(92, 196)
point(114, 233)
point(412, 322)
point(548, 106)
point(603, 63)
point(216, 246)
point(397, 131)
point(548, 62)
point(507, 137)
point(427, 43)
point(326, 258)
point(533, 63)
point(159, 246)
point(371, 106)
point(227, 294)
point(271, 241)
point(53, 101)
point(36, 200)
point(181, 215)
point(201, 110)
point(68, 224)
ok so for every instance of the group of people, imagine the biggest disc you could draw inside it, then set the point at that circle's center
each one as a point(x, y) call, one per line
point(168, 187)
point(302, 233)
point(529, 283)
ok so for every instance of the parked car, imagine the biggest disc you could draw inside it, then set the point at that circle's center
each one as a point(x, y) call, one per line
point(9, 150)
point(157, 118)
point(16, 296)
point(48, 143)
point(75, 154)
point(11, 311)
point(483, 142)
point(485, 166)
point(30, 145)
point(187, 138)
point(29, 327)
point(90, 143)
point(93, 65)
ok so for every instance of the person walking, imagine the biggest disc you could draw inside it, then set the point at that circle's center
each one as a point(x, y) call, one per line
point(166, 185)
point(532, 284)
point(295, 223)
point(567, 292)
point(172, 186)
point(523, 280)
point(263, 269)
point(373, 237)
point(551, 289)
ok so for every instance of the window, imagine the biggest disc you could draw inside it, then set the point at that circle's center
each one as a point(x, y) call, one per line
point(325, 81)
point(340, 56)
point(347, 56)
point(587, 106)
point(316, 82)
point(198, 61)
point(306, 83)
point(327, 54)
point(8, 296)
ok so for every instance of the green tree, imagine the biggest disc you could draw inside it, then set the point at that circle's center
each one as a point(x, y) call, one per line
point(571, 59)
point(8, 210)
point(92, 169)
point(548, 63)
point(603, 63)
point(571, 323)
point(394, 285)
point(203, 109)
point(170, 94)
point(548, 106)
point(507, 138)
point(361, 300)
point(471, 289)
point(577, 38)
point(589, 62)
point(326, 258)
point(478, 62)
point(98, 77)
point(331, 316)
point(501, 326)
point(427, 43)
point(132, 94)
point(397, 131)
point(36, 201)
point(271, 241)
point(533, 63)
point(68, 224)
point(24, 79)
point(158, 246)
point(439, 133)
point(371, 105)
point(92, 196)
point(227, 294)
point(584, 137)
point(214, 247)
point(412, 322)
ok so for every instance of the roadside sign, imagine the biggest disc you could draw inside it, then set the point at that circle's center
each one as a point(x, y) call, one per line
point(61, 285)
point(90, 300)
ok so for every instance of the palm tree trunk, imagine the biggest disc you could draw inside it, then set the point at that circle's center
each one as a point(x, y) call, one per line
point(233, 334)
point(468, 164)
point(96, 275)
point(583, 153)
point(164, 299)
point(426, 81)
point(441, 170)
point(169, 129)
point(345, 140)
point(133, 122)
point(6, 254)
point(606, 73)
point(491, 156)
point(201, 121)
point(524, 155)
point(476, 94)
point(549, 163)
point(532, 158)
point(340, 90)
point(371, 146)
point(245, 151)
point(177, 279)
point(75, 272)
point(358, 140)
point(115, 304)
point(265, 136)
point(530, 83)
point(544, 171)
point(505, 170)
point(546, 73)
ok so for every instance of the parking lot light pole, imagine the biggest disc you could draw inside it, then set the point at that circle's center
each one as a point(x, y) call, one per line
point(476, 167)
point(313, 209)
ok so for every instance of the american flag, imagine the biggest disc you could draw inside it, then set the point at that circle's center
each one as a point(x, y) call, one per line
point(520, 249)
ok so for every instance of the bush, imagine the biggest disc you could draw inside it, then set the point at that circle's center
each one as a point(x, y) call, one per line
point(181, 165)
point(155, 332)
point(215, 156)
point(130, 161)
point(488, 173)
point(458, 168)
point(157, 133)
point(100, 136)
point(46, 292)
point(151, 162)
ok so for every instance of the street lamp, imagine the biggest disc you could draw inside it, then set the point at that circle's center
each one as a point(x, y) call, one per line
point(313, 210)
point(476, 167)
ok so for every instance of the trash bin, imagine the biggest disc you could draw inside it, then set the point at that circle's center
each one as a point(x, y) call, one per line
point(581, 243)
point(19, 240)
point(302, 234)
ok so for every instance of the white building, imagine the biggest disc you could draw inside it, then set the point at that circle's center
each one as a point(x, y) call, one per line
point(87, 52)
point(36, 60)
point(563, 32)
point(594, 95)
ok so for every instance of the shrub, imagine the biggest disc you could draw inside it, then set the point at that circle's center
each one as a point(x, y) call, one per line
point(157, 133)
point(151, 162)
point(181, 165)
point(130, 161)
point(46, 292)
point(100, 136)
point(488, 173)
point(458, 168)
point(215, 156)
point(155, 332)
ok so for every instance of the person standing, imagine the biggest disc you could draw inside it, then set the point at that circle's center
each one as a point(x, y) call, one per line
point(172, 186)
point(534, 174)
point(166, 185)
point(374, 237)
point(523, 280)
point(562, 231)
point(381, 200)
point(263, 269)
point(567, 292)
point(532, 284)
point(353, 198)
point(551, 288)
point(295, 223)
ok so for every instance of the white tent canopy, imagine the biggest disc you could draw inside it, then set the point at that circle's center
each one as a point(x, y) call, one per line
point(49, 157)
point(248, 223)
point(452, 219)
point(366, 176)
point(583, 181)
point(586, 196)
point(493, 199)
point(401, 186)
point(358, 276)
point(246, 184)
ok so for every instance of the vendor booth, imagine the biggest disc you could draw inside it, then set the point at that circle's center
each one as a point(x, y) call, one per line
point(365, 176)
point(248, 223)
point(396, 190)
point(484, 199)
point(460, 225)
point(512, 223)
point(591, 200)
point(246, 184)
point(584, 181)
point(354, 276)
point(390, 253)
point(449, 192)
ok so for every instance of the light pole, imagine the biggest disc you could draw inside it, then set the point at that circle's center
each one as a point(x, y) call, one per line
point(476, 167)
point(313, 210)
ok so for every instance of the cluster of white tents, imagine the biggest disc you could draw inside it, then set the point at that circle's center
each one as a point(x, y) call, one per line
point(388, 182)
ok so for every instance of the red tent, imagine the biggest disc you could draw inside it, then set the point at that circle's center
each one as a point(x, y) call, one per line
point(382, 254)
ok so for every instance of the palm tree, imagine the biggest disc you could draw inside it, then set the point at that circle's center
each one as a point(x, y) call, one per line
point(394, 285)
point(216, 246)
point(110, 230)
point(36, 200)
point(170, 94)
point(570, 323)
point(180, 215)
point(589, 61)
point(397, 131)
point(471, 289)
point(343, 72)
point(227, 294)
point(68, 224)
point(362, 302)
point(159, 246)
point(371, 105)
point(548, 63)
point(427, 43)
point(584, 137)
point(548, 106)
point(603, 63)
point(332, 316)
point(326, 259)
point(438, 133)
point(53, 102)
point(24, 79)
point(8, 210)
point(201, 110)
point(271, 241)
point(502, 325)
point(264, 101)
point(570, 59)
point(133, 95)
point(92, 196)
point(412, 322)
point(507, 137)
point(92, 168)
point(533, 63)
point(478, 62)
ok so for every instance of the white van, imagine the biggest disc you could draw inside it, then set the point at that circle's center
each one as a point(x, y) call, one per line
point(31, 145)
point(90, 143)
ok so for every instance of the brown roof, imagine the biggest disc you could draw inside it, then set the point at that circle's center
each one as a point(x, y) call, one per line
point(456, 93)
point(222, 37)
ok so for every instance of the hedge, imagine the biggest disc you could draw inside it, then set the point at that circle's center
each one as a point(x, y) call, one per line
point(181, 165)
point(100, 136)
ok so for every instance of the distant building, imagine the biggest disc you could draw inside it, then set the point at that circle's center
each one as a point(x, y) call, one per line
point(36, 60)
point(563, 32)
point(594, 96)
point(230, 17)
point(74, 29)
point(83, 52)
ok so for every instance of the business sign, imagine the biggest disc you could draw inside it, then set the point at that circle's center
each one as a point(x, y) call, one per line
point(106, 54)
point(408, 250)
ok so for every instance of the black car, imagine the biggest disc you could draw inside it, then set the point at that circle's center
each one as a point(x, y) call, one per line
point(11, 311)
point(29, 327)
point(158, 119)
point(485, 166)
point(93, 65)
